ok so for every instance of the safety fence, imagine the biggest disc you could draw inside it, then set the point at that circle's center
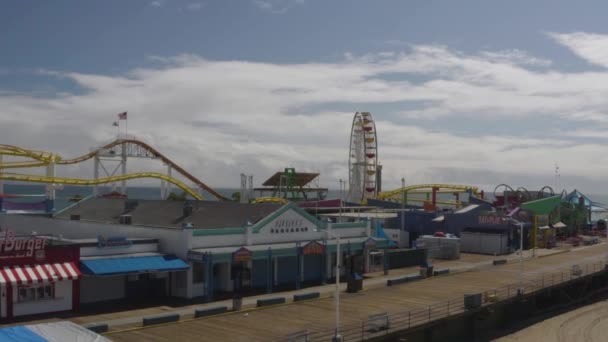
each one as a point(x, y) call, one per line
point(386, 323)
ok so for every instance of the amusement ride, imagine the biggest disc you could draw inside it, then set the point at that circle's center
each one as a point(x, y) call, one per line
point(363, 169)
point(120, 149)
point(363, 158)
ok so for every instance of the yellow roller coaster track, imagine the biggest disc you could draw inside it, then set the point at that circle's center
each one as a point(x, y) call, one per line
point(453, 187)
point(269, 200)
point(103, 180)
point(42, 158)
point(455, 203)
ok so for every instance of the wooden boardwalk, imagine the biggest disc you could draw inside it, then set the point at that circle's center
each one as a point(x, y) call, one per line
point(275, 322)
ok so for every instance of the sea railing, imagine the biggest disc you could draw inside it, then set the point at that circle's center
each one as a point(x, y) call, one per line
point(374, 326)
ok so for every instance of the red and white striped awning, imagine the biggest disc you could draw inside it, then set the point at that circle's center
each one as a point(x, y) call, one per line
point(41, 273)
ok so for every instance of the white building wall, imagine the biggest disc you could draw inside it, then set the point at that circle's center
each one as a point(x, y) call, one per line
point(287, 221)
point(134, 248)
point(170, 239)
point(97, 289)
point(61, 302)
point(218, 240)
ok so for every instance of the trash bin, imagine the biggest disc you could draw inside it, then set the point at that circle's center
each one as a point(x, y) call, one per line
point(355, 283)
point(429, 271)
point(237, 303)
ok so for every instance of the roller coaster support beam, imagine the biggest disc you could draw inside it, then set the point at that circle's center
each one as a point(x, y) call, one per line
point(404, 200)
point(96, 174)
point(50, 188)
point(168, 184)
point(123, 184)
point(162, 190)
point(435, 196)
point(1, 182)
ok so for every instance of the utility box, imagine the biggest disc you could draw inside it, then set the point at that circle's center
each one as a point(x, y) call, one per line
point(472, 301)
point(354, 284)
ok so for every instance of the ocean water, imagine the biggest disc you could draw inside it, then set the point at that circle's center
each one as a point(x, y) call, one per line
point(62, 197)
point(36, 193)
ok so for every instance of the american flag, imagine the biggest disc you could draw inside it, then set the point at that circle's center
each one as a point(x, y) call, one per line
point(122, 116)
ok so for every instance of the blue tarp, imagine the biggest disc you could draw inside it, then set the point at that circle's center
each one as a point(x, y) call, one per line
point(19, 334)
point(111, 266)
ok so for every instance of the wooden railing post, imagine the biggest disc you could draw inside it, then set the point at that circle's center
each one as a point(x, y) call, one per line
point(542, 281)
point(362, 330)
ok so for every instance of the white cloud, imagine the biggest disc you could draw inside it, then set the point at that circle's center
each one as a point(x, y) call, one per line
point(591, 47)
point(516, 57)
point(195, 6)
point(221, 118)
point(277, 6)
point(157, 3)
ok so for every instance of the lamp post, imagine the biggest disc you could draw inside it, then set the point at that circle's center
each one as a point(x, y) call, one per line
point(337, 337)
point(521, 250)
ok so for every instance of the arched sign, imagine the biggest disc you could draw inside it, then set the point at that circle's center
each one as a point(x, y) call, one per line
point(242, 254)
point(312, 248)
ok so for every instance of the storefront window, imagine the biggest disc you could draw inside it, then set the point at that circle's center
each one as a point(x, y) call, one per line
point(33, 293)
point(198, 273)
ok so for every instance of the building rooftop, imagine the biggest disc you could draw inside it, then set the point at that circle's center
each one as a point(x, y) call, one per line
point(172, 214)
point(300, 179)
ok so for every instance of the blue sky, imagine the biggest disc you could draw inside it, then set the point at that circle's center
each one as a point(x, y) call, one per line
point(113, 36)
point(480, 92)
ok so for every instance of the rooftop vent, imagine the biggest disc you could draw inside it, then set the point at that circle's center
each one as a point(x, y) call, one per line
point(187, 211)
point(124, 219)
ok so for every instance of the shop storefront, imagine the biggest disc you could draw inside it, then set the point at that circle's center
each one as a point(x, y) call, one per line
point(38, 275)
point(121, 268)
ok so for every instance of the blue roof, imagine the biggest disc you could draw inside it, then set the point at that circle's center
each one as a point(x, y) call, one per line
point(111, 266)
point(19, 334)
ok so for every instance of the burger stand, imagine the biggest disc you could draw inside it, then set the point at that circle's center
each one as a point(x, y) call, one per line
point(37, 275)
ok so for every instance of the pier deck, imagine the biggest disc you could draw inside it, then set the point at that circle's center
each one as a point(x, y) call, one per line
point(275, 322)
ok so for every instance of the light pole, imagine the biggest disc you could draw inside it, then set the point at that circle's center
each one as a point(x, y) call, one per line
point(337, 337)
point(521, 250)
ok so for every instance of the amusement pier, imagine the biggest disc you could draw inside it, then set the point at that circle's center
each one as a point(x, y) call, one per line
point(283, 259)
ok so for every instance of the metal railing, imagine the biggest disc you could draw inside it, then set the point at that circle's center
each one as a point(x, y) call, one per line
point(371, 328)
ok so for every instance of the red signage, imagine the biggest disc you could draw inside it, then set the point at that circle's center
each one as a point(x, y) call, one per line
point(11, 247)
point(491, 219)
point(242, 254)
point(313, 247)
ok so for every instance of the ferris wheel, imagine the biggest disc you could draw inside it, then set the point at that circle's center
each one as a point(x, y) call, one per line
point(363, 158)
